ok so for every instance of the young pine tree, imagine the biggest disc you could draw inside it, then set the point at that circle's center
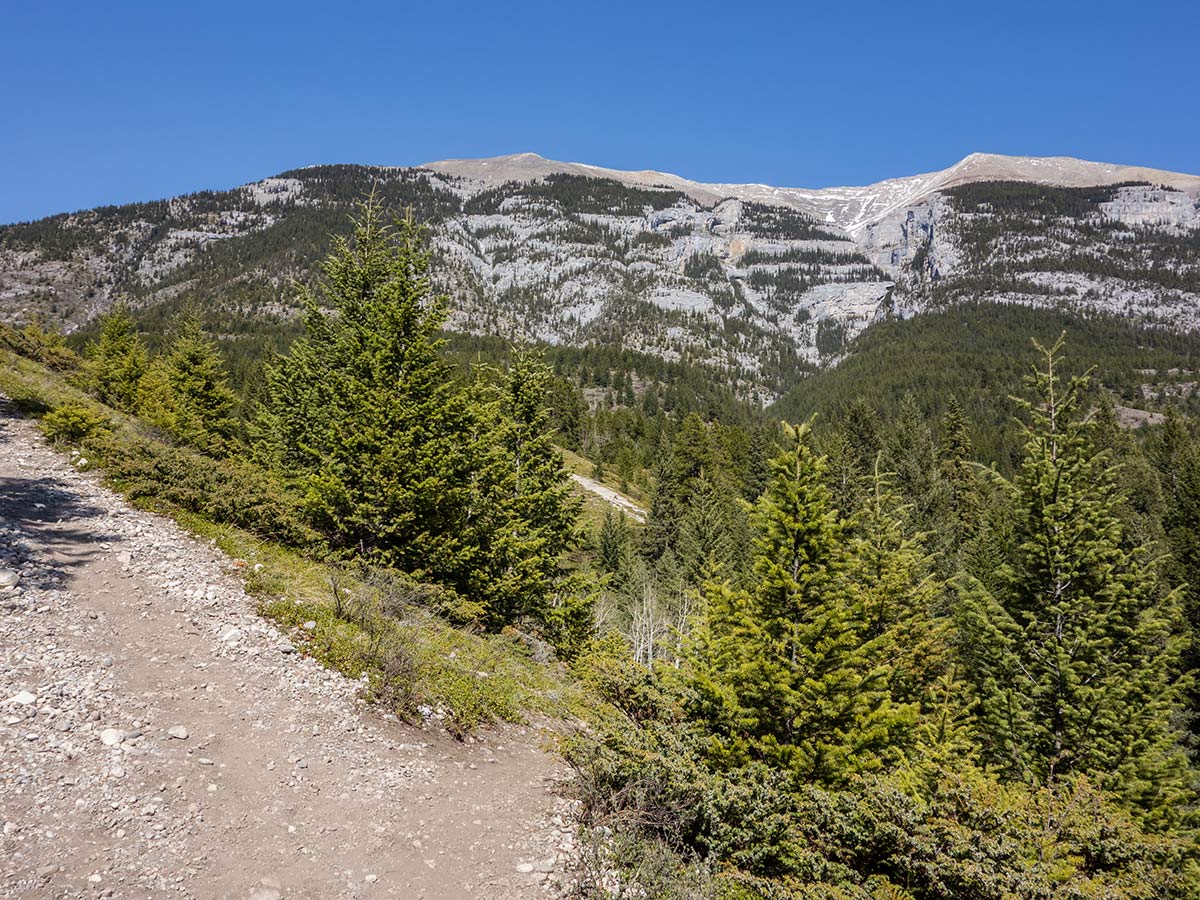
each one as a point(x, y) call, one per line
point(186, 392)
point(911, 455)
point(957, 473)
point(1075, 653)
point(706, 533)
point(526, 510)
point(897, 593)
point(785, 660)
point(115, 362)
point(365, 413)
point(613, 543)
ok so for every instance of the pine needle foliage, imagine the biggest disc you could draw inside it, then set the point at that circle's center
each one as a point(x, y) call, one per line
point(1076, 651)
point(366, 414)
point(789, 658)
point(116, 361)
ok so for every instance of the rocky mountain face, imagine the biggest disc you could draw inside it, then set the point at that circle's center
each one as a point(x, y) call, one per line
point(751, 280)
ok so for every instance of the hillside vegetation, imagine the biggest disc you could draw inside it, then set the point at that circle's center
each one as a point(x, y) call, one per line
point(866, 658)
point(753, 287)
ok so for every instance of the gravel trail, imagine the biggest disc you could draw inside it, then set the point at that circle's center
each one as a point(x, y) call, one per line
point(159, 739)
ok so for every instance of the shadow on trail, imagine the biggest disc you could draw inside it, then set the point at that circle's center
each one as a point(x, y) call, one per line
point(43, 522)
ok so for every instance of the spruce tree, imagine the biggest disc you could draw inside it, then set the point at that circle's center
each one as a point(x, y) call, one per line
point(957, 473)
point(186, 392)
point(1175, 457)
point(525, 513)
point(911, 455)
point(707, 539)
point(895, 589)
point(366, 414)
point(786, 658)
point(1140, 508)
point(1075, 653)
point(115, 362)
point(666, 504)
point(613, 543)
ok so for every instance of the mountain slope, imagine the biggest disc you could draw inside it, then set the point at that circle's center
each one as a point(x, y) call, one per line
point(849, 208)
point(756, 283)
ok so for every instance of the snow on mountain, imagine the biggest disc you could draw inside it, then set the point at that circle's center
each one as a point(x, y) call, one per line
point(751, 279)
point(848, 208)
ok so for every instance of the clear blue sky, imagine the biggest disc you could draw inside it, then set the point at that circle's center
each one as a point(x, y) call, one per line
point(114, 102)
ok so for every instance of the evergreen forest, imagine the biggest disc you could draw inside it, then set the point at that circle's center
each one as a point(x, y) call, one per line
point(926, 627)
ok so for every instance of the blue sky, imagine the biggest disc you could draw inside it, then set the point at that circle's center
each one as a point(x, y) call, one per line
point(110, 103)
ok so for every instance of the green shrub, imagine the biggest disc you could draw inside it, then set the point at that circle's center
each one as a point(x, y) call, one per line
point(644, 775)
point(72, 422)
point(229, 491)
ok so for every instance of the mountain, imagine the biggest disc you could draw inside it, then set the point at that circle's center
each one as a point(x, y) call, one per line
point(848, 208)
point(758, 283)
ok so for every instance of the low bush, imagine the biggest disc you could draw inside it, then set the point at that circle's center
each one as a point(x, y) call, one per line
point(229, 490)
point(71, 423)
point(646, 782)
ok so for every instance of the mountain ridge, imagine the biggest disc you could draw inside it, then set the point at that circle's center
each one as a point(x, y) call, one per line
point(750, 282)
point(833, 205)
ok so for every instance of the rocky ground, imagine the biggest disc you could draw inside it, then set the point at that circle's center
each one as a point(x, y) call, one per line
point(158, 739)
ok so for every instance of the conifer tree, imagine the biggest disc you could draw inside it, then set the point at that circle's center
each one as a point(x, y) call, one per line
point(895, 589)
point(1175, 457)
point(1075, 654)
point(910, 454)
point(706, 538)
point(365, 412)
point(613, 545)
point(844, 474)
point(666, 506)
point(116, 361)
point(1140, 506)
point(956, 470)
point(186, 391)
point(786, 659)
point(526, 510)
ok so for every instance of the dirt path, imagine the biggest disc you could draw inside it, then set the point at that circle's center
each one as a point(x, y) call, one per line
point(619, 501)
point(123, 630)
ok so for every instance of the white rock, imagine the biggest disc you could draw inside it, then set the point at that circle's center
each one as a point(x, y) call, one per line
point(22, 698)
point(8, 578)
point(525, 868)
point(110, 737)
point(178, 732)
point(232, 636)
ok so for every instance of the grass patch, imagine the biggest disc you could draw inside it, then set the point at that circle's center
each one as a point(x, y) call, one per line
point(368, 622)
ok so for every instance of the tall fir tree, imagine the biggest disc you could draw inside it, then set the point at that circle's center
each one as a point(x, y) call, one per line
point(911, 455)
point(707, 532)
point(1140, 508)
point(612, 545)
point(1075, 654)
point(957, 471)
point(898, 594)
point(527, 512)
point(1175, 457)
point(366, 413)
point(785, 662)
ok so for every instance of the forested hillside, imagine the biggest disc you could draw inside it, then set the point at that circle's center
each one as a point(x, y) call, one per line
point(752, 286)
point(931, 644)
